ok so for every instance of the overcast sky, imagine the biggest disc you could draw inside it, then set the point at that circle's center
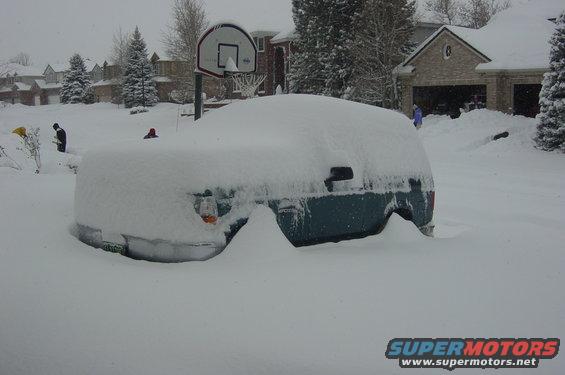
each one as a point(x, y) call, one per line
point(52, 30)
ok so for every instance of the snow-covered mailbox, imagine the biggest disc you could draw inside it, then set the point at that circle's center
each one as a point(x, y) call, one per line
point(329, 169)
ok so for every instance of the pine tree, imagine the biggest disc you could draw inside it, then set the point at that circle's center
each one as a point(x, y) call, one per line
point(76, 81)
point(323, 61)
point(138, 87)
point(551, 126)
point(382, 41)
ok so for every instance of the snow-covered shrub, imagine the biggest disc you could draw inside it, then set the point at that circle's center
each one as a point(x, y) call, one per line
point(136, 110)
point(31, 146)
point(7, 161)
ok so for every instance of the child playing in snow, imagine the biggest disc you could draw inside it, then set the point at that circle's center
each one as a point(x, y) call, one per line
point(151, 134)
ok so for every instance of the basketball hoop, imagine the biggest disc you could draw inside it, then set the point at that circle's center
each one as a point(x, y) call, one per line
point(226, 50)
point(247, 83)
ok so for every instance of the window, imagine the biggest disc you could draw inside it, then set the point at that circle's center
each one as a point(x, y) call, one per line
point(447, 52)
point(260, 43)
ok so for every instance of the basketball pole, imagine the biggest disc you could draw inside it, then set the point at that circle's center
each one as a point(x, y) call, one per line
point(197, 95)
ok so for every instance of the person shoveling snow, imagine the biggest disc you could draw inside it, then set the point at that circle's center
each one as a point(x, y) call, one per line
point(60, 138)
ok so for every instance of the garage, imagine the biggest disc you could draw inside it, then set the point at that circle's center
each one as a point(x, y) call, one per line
point(526, 100)
point(53, 99)
point(448, 100)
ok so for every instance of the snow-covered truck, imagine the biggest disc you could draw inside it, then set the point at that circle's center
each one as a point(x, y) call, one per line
point(329, 169)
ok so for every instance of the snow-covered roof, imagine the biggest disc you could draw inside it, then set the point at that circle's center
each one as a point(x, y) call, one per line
point(60, 67)
point(515, 39)
point(22, 86)
point(12, 69)
point(162, 79)
point(47, 86)
point(8, 88)
point(90, 65)
point(285, 35)
point(107, 82)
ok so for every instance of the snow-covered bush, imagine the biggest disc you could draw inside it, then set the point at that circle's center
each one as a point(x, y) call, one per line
point(551, 126)
point(31, 146)
point(136, 110)
point(7, 161)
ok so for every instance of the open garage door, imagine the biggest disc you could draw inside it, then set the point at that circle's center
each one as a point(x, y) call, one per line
point(526, 100)
point(447, 100)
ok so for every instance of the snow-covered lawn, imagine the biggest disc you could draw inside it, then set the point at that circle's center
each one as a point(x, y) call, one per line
point(495, 268)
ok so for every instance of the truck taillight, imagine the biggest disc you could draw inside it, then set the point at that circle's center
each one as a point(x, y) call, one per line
point(208, 210)
point(433, 198)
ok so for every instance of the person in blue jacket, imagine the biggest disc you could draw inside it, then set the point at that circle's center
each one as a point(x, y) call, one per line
point(417, 116)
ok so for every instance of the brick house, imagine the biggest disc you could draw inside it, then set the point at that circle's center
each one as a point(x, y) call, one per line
point(167, 74)
point(17, 83)
point(499, 66)
point(275, 49)
point(108, 89)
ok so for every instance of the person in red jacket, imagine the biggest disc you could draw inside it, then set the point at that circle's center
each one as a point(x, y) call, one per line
point(151, 134)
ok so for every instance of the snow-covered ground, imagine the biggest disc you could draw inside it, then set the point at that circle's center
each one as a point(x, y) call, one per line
point(495, 268)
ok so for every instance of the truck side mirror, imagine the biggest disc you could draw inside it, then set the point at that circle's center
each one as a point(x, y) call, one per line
point(338, 174)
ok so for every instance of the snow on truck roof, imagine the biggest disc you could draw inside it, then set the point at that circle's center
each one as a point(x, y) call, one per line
point(286, 143)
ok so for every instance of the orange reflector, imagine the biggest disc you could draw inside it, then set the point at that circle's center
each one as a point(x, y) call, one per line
point(210, 219)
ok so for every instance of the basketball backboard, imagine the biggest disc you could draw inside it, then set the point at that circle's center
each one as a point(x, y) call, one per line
point(222, 42)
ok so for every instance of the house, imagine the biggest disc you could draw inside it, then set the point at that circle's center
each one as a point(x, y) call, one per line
point(17, 82)
point(275, 48)
point(55, 73)
point(167, 74)
point(499, 66)
point(108, 88)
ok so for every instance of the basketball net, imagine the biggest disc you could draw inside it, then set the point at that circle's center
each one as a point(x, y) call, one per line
point(247, 83)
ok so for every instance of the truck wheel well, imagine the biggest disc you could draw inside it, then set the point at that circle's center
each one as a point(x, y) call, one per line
point(404, 213)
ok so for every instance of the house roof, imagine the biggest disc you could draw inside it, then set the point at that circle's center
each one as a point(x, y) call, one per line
point(63, 67)
point(47, 86)
point(515, 39)
point(59, 67)
point(285, 35)
point(107, 82)
point(22, 86)
point(12, 69)
point(162, 79)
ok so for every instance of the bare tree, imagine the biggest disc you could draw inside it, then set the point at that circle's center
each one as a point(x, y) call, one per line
point(188, 22)
point(4, 68)
point(444, 11)
point(120, 44)
point(21, 58)
point(477, 13)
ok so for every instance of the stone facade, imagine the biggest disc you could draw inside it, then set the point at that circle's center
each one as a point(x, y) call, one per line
point(432, 67)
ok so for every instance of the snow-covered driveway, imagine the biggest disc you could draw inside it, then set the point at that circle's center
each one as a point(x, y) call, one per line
point(495, 270)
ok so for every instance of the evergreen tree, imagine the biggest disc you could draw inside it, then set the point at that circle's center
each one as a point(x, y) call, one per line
point(138, 87)
point(382, 41)
point(76, 82)
point(551, 125)
point(323, 61)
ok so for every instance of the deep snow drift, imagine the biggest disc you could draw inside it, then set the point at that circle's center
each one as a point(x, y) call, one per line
point(262, 306)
